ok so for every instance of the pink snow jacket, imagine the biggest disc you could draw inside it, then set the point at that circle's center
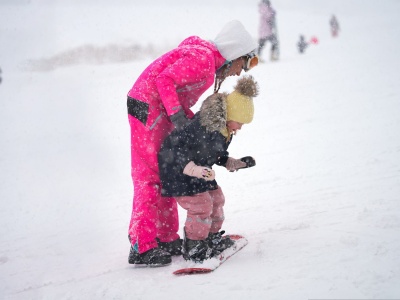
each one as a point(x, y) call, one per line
point(177, 79)
point(267, 20)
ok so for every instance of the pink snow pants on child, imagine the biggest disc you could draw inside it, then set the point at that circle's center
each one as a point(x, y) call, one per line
point(205, 213)
point(153, 216)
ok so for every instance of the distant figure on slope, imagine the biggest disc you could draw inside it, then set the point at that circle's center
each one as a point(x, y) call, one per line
point(159, 101)
point(302, 44)
point(334, 25)
point(186, 159)
point(267, 29)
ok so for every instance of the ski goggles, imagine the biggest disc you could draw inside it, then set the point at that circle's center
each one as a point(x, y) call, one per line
point(250, 61)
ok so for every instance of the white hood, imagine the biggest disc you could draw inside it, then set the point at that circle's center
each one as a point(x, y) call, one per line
point(234, 41)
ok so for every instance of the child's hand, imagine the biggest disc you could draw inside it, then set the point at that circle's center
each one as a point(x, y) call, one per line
point(250, 161)
point(207, 173)
point(233, 164)
point(193, 170)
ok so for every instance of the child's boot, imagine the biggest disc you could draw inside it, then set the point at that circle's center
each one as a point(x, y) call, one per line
point(196, 250)
point(218, 242)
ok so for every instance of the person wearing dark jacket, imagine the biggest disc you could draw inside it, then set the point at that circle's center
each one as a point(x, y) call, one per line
point(334, 25)
point(302, 44)
point(186, 159)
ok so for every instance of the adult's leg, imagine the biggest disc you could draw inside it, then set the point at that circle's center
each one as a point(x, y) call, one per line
point(168, 220)
point(261, 44)
point(151, 216)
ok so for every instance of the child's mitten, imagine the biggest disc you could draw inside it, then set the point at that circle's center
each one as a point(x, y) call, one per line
point(193, 170)
point(250, 161)
point(233, 164)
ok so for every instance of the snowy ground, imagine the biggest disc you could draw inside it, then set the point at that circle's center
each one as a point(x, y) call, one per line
point(321, 209)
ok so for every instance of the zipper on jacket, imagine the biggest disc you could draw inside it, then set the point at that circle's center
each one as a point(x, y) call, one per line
point(156, 121)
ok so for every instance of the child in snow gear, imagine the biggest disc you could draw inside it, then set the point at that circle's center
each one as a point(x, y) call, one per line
point(302, 44)
point(185, 163)
point(159, 101)
point(267, 29)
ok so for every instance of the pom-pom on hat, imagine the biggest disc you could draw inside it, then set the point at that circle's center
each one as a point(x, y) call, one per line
point(239, 103)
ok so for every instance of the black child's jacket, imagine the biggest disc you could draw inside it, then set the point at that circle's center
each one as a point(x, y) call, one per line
point(202, 142)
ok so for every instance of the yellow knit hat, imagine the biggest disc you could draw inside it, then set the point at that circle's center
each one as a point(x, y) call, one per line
point(239, 103)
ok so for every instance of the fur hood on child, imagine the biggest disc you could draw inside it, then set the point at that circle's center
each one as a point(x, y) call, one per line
point(213, 112)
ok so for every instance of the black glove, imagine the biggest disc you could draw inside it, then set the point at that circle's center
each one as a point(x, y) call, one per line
point(250, 161)
point(179, 120)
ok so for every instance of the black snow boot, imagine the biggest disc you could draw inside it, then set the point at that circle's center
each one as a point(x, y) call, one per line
point(155, 257)
point(173, 248)
point(218, 242)
point(196, 251)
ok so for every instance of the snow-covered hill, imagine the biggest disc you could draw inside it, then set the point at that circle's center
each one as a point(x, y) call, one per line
point(321, 209)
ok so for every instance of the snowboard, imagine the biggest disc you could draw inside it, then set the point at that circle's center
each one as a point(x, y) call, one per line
point(211, 264)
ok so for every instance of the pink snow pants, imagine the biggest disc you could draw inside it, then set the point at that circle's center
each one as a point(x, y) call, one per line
point(152, 216)
point(205, 213)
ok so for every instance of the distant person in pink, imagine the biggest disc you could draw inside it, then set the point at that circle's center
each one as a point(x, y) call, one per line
point(267, 29)
point(159, 101)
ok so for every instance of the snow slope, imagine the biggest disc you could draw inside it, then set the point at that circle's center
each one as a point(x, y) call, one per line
point(321, 209)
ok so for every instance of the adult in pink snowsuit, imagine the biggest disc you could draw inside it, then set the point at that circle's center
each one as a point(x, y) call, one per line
point(267, 28)
point(160, 100)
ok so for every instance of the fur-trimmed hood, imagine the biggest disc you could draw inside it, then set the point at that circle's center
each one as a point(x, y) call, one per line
point(213, 112)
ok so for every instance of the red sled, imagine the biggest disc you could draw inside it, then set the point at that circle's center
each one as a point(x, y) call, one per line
point(314, 40)
point(213, 263)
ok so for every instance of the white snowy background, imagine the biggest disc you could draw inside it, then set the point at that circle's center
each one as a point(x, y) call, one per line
point(321, 209)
